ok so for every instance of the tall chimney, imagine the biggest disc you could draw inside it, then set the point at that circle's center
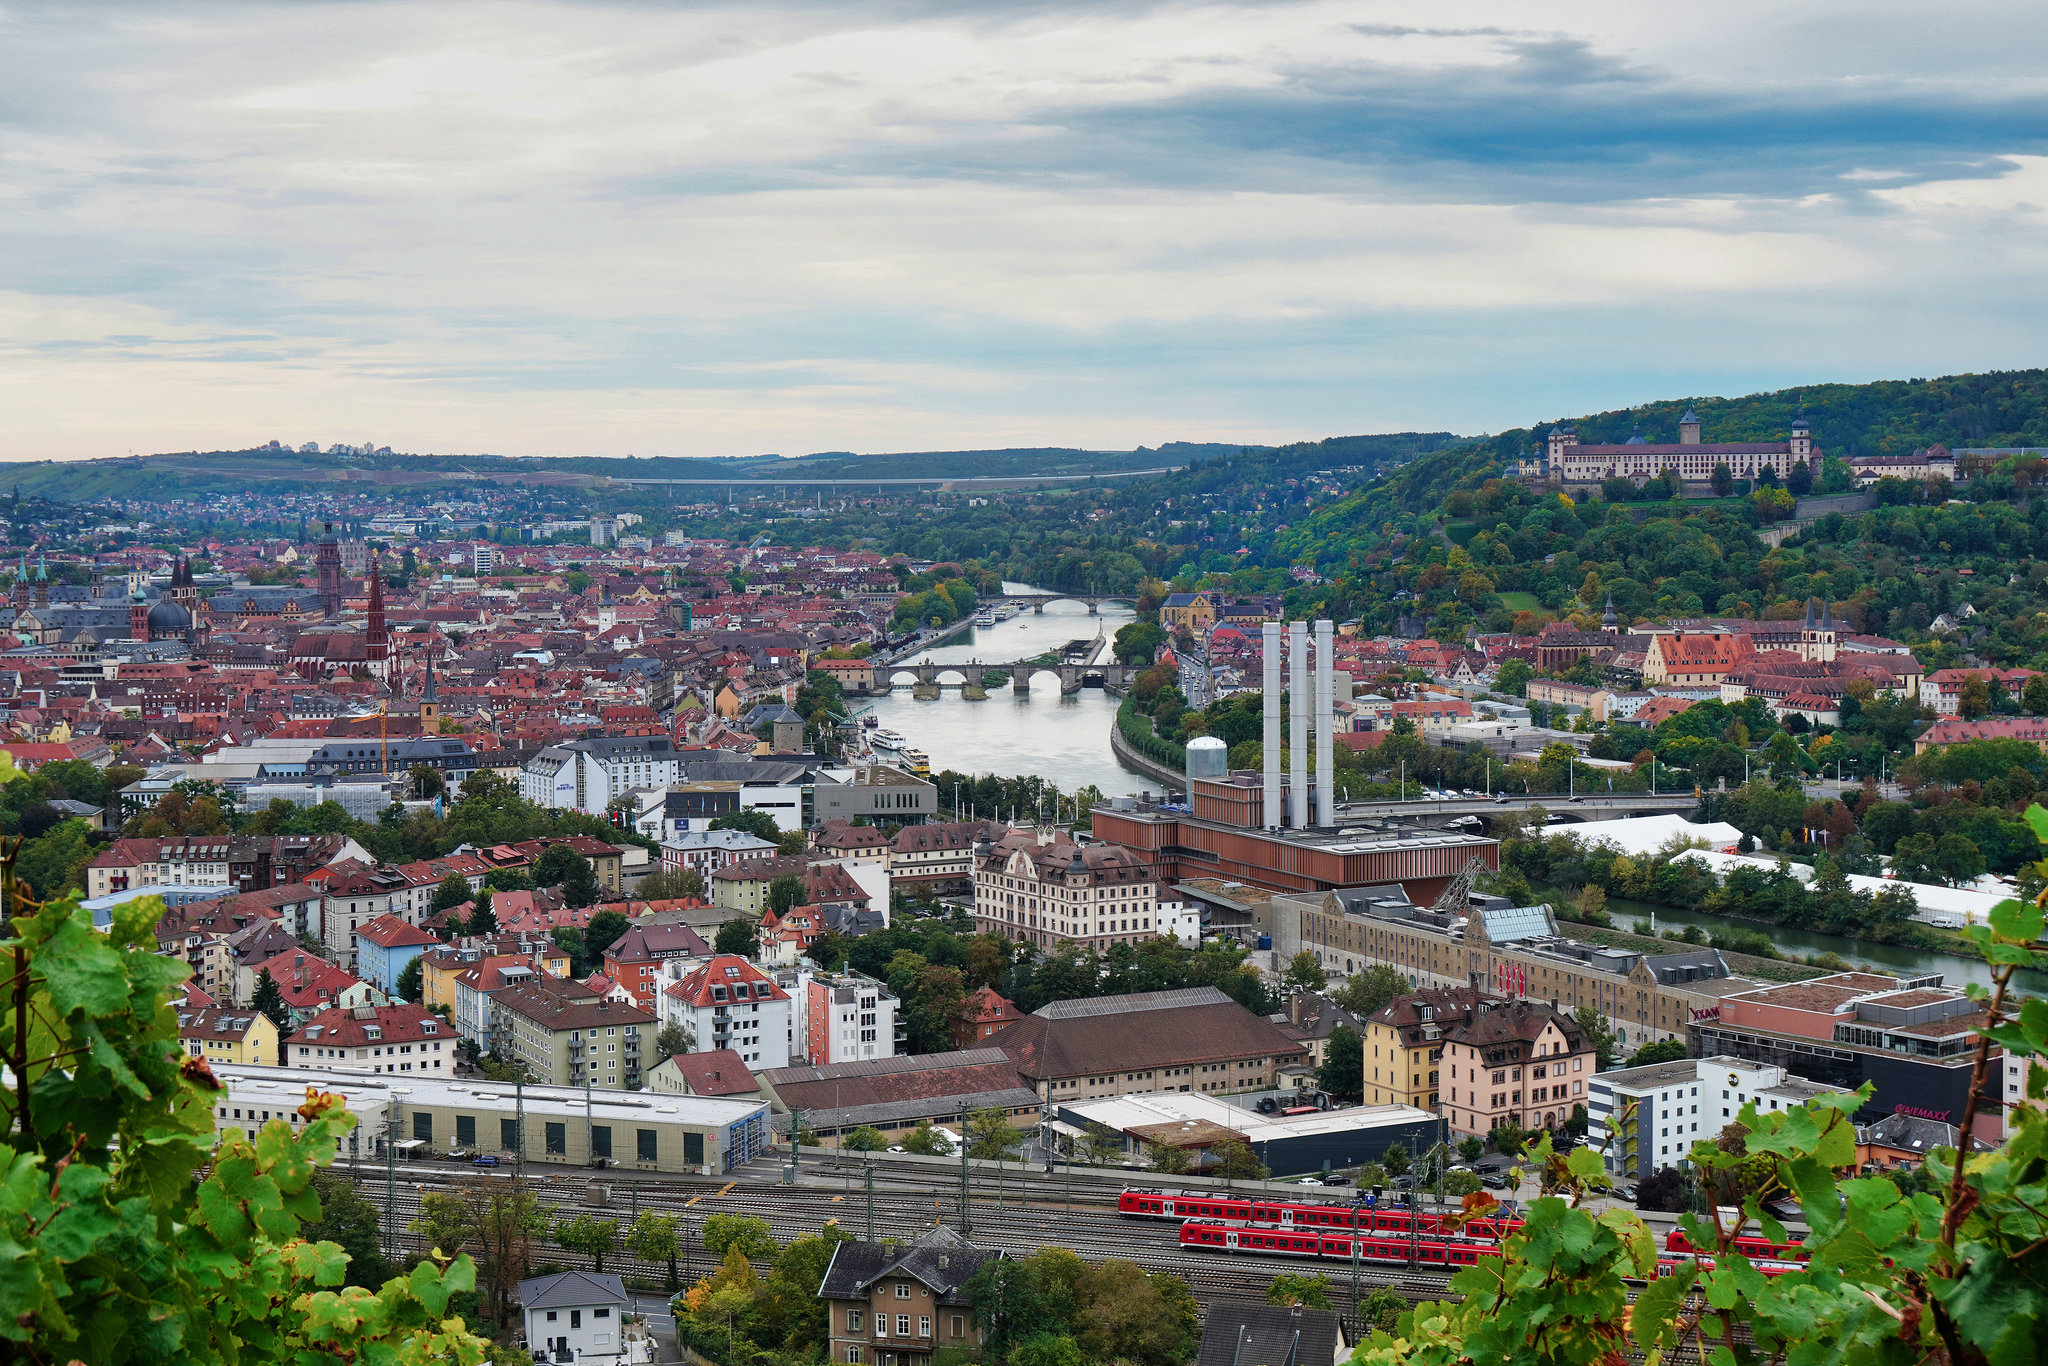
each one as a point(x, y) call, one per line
point(1297, 734)
point(1326, 722)
point(1270, 638)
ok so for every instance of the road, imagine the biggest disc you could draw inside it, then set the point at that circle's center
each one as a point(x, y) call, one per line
point(1624, 803)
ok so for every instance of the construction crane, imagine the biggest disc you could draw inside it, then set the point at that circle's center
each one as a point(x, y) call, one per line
point(1455, 896)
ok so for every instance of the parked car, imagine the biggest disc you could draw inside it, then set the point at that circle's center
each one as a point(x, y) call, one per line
point(1337, 1180)
point(1500, 799)
point(1627, 1193)
point(1309, 1181)
point(486, 1160)
point(1494, 1181)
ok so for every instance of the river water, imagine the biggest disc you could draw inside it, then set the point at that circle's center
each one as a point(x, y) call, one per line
point(1955, 970)
point(1026, 727)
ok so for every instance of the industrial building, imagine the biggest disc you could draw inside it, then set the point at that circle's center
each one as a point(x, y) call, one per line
point(1289, 1144)
point(543, 1125)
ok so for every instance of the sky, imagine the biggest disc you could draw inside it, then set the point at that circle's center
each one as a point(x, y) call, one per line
point(730, 229)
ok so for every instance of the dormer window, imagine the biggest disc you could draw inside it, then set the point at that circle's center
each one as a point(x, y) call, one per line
point(372, 1032)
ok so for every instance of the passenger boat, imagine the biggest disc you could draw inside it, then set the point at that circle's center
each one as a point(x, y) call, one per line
point(886, 739)
point(919, 762)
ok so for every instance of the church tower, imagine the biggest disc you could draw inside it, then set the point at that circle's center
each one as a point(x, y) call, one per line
point(327, 560)
point(376, 640)
point(138, 613)
point(42, 581)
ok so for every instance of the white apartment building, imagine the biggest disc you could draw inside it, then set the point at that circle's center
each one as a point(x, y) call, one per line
point(845, 1017)
point(584, 775)
point(373, 1039)
point(727, 1002)
point(1679, 1103)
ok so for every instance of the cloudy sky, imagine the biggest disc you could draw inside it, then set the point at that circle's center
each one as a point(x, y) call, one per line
point(709, 229)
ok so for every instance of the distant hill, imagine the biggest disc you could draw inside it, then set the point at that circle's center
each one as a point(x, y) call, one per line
point(173, 473)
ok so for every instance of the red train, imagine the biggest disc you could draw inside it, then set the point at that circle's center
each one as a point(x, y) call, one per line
point(1335, 1245)
point(1756, 1248)
point(1141, 1203)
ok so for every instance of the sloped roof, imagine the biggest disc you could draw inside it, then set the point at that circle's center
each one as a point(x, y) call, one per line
point(1149, 1030)
point(577, 1288)
point(1247, 1333)
point(941, 1259)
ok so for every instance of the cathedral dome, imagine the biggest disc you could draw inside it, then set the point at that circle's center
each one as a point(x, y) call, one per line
point(168, 618)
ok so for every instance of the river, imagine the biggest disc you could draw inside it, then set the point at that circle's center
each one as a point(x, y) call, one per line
point(1024, 727)
point(1955, 970)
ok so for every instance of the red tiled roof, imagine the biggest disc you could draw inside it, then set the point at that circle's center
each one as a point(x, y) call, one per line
point(729, 971)
point(347, 1028)
point(721, 1072)
point(390, 932)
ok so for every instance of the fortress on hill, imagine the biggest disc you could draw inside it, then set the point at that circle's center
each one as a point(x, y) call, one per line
point(1565, 460)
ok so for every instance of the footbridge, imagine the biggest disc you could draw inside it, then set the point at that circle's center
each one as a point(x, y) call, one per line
point(1073, 675)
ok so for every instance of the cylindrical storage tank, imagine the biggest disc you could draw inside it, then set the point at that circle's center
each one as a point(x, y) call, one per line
point(1208, 757)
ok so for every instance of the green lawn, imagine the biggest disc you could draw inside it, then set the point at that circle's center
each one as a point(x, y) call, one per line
point(1519, 602)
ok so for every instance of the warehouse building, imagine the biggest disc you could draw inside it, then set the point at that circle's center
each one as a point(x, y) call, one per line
point(1289, 1144)
point(546, 1125)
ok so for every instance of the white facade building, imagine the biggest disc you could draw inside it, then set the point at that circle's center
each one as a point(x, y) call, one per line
point(844, 1017)
point(727, 1002)
point(585, 775)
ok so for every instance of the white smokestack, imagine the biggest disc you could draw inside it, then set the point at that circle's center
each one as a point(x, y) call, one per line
point(1297, 686)
point(1271, 640)
point(1326, 723)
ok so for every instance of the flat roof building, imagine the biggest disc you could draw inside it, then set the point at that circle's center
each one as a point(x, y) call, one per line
point(563, 1125)
point(1289, 1144)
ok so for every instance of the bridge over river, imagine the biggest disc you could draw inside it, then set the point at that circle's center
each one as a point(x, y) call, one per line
point(1073, 675)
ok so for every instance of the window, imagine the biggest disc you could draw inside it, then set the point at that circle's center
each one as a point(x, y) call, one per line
point(423, 1126)
point(575, 1318)
point(853, 1351)
point(959, 1326)
point(693, 1149)
point(924, 1326)
point(902, 1291)
point(903, 1325)
point(465, 1130)
point(601, 1140)
point(600, 1313)
point(853, 1320)
point(558, 1138)
point(645, 1151)
point(508, 1134)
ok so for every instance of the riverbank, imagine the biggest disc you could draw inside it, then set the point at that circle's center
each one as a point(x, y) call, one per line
point(1127, 754)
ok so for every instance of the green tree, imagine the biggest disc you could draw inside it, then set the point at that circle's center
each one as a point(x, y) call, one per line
point(737, 937)
point(482, 918)
point(1370, 992)
point(1663, 1050)
point(788, 1312)
point(989, 1134)
point(673, 1039)
point(1310, 1289)
point(605, 929)
point(268, 998)
point(1471, 1147)
point(555, 864)
point(742, 1233)
point(866, 1139)
point(1235, 1161)
point(453, 890)
point(1343, 1069)
point(1975, 698)
point(926, 1141)
point(580, 886)
point(653, 1237)
point(426, 783)
point(2034, 696)
point(407, 987)
point(754, 821)
point(1383, 1309)
point(1304, 972)
point(785, 891)
point(1134, 1316)
point(445, 1222)
point(1723, 479)
point(117, 1250)
point(1396, 1159)
point(1600, 1033)
point(1168, 1160)
point(1458, 1185)
point(595, 1238)
point(351, 1223)
point(1513, 677)
point(1008, 1307)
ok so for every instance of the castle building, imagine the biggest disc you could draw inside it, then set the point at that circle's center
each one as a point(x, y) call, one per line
point(1567, 459)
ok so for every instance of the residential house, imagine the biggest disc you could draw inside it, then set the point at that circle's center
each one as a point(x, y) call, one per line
point(1196, 1039)
point(1523, 1062)
point(221, 1034)
point(895, 1304)
point(374, 1039)
point(721, 1072)
point(575, 1316)
point(567, 1035)
point(635, 961)
point(727, 1002)
point(385, 947)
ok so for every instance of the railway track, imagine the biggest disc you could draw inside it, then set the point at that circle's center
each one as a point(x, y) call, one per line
point(1018, 1221)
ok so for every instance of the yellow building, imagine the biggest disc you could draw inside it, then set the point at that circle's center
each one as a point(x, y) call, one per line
point(1404, 1047)
point(1192, 612)
point(222, 1035)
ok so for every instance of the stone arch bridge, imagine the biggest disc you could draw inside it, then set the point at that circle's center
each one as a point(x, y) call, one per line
point(1072, 676)
point(1038, 601)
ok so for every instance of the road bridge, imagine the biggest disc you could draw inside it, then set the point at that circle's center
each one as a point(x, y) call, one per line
point(1584, 806)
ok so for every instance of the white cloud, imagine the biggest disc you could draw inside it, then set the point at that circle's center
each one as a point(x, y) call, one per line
point(555, 227)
